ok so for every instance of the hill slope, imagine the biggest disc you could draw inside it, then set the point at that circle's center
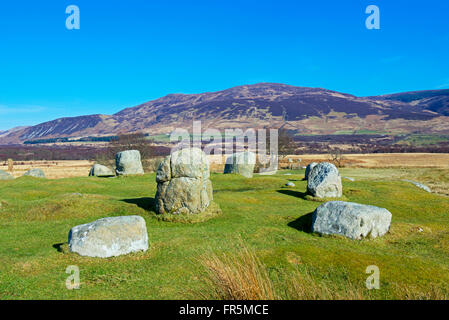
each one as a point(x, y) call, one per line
point(305, 110)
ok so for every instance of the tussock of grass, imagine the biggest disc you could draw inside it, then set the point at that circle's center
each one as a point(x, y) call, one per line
point(211, 212)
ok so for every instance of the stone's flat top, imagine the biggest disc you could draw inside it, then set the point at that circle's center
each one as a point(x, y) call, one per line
point(189, 163)
point(109, 237)
point(352, 220)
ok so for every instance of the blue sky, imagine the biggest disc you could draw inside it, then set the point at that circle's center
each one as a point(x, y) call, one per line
point(129, 52)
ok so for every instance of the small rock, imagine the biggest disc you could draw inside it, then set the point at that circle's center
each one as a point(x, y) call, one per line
point(37, 173)
point(290, 184)
point(99, 170)
point(5, 176)
point(109, 237)
point(352, 220)
point(419, 185)
point(348, 178)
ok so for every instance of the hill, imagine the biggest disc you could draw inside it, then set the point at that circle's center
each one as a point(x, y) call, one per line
point(303, 110)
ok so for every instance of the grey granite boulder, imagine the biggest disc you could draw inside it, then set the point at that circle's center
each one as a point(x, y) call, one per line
point(419, 185)
point(37, 173)
point(99, 170)
point(183, 184)
point(241, 163)
point(109, 237)
point(128, 163)
point(325, 181)
point(5, 175)
point(309, 170)
point(352, 220)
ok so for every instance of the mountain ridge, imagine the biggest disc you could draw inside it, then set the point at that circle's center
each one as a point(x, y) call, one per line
point(305, 110)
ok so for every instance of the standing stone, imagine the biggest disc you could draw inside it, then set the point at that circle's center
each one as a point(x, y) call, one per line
point(352, 220)
point(128, 163)
point(99, 170)
point(183, 184)
point(325, 181)
point(109, 237)
point(37, 173)
point(5, 176)
point(309, 170)
point(242, 163)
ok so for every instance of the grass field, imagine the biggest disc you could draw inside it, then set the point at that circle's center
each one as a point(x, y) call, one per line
point(262, 225)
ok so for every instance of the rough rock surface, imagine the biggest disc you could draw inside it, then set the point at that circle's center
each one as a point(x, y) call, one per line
point(325, 181)
point(242, 163)
point(183, 184)
point(128, 163)
point(419, 185)
point(109, 237)
point(352, 220)
point(309, 170)
point(5, 176)
point(37, 173)
point(99, 170)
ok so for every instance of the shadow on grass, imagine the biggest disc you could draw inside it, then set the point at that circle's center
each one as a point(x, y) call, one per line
point(293, 193)
point(61, 247)
point(303, 223)
point(144, 203)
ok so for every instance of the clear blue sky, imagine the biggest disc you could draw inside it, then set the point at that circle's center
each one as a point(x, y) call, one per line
point(129, 52)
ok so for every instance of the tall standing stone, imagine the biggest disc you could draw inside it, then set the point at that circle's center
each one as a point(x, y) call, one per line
point(241, 163)
point(128, 163)
point(325, 181)
point(183, 184)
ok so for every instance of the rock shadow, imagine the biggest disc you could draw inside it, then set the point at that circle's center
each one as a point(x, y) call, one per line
point(145, 203)
point(293, 193)
point(303, 223)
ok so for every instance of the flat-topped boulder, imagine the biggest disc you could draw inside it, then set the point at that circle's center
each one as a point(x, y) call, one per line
point(325, 181)
point(5, 175)
point(128, 163)
point(183, 184)
point(109, 237)
point(241, 163)
point(99, 170)
point(37, 173)
point(352, 220)
point(309, 168)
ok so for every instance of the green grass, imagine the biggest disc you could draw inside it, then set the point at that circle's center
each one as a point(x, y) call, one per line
point(36, 216)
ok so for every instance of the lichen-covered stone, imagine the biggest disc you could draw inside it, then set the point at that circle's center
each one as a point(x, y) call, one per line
point(352, 220)
point(241, 163)
point(128, 163)
point(109, 237)
point(325, 181)
point(183, 183)
point(37, 173)
point(99, 170)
